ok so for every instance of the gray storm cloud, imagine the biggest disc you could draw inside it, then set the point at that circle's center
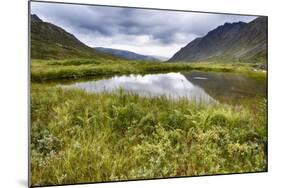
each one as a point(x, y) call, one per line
point(145, 31)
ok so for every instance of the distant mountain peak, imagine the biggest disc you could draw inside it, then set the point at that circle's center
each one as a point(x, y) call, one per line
point(232, 40)
point(228, 26)
point(126, 54)
point(35, 18)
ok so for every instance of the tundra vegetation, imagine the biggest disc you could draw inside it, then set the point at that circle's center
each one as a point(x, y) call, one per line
point(77, 136)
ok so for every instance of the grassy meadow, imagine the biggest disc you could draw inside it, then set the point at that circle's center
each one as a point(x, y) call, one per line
point(42, 70)
point(78, 136)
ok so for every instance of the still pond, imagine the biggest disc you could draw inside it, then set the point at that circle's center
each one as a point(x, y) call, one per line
point(206, 87)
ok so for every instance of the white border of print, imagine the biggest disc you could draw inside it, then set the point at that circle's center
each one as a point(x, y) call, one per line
point(14, 93)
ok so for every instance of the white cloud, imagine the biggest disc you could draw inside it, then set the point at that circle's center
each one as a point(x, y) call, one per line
point(151, 32)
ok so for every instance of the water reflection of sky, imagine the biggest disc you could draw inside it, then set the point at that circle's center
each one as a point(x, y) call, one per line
point(172, 85)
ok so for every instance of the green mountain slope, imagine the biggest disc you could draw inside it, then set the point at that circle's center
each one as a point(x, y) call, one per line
point(251, 43)
point(49, 41)
point(231, 41)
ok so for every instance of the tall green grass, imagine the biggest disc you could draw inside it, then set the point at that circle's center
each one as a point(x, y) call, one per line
point(85, 137)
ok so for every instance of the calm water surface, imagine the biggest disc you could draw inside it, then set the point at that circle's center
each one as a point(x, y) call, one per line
point(197, 86)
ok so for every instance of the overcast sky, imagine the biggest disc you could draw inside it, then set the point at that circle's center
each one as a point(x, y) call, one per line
point(148, 32)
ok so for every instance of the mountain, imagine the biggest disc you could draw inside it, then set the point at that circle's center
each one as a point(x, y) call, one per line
point(232, 41)
point(35, 18)
point(126, 54)
point(49, 41)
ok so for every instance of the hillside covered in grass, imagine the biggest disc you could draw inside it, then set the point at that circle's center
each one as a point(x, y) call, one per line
point(244, 42)
point(49, 41)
